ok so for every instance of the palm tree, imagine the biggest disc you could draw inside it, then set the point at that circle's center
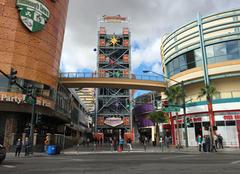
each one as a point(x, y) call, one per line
point(174, 96)
point(209, 91)
point(157, 117)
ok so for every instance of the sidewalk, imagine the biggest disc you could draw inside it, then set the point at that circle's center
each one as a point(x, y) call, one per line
point(136, 149)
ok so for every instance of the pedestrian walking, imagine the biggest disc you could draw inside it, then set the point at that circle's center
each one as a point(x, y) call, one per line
point(214, 143)
point(220, 141)
point(114, 142)
point(145, 140)
point(78, 147)
point(121, 143)
point(167, 141)
point(26, 146)
point(18, 147)
point(199, 141)
point(129, 143)
point(204, 144)
point(207, 143)
point(46, 143)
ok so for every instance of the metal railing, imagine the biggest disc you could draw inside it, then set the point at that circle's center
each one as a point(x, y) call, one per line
point(221, 95)
point(109, 75)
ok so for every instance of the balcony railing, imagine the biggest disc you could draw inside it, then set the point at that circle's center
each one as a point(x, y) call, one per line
point(221, 95)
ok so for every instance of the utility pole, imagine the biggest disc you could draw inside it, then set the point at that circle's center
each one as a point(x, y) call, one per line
point(183, 102)
point(33, 101)
point(184, 113)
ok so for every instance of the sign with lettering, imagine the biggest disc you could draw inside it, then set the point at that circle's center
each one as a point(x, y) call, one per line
point(21, 98)
point(231, 117)
point(33, 13)
point(113, 121)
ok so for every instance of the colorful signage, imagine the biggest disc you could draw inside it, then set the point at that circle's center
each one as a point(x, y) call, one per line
point(113, 121)
point(33, 13)
point(21, 98)
point(231, 117)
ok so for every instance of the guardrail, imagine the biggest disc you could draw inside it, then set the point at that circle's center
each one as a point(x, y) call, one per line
point(107, 75)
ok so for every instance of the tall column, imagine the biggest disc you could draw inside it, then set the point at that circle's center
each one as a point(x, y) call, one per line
point(173, 129)
point(10, 128)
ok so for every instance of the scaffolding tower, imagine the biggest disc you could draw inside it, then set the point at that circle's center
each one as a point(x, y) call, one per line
point(113, 106)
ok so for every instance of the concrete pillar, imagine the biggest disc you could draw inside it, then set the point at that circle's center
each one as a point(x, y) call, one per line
point(10, 127)
point(35, 136)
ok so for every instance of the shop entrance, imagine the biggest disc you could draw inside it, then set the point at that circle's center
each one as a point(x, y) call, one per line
point(198, 129)
point(109, 134)
point(145, 132)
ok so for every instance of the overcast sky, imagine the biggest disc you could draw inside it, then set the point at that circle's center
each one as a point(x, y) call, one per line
point(150, 20)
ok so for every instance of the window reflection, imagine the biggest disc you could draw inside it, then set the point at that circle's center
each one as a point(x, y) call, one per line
point(215, 53)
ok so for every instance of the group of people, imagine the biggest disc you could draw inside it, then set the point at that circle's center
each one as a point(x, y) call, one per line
point(204, 143)
point(115, 143)
point(20, 145)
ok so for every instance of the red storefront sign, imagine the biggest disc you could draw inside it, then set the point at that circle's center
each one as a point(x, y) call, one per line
point(231, 117)
point(195, 119)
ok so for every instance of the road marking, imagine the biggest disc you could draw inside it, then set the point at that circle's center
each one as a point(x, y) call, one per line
point(8, 166)
point(179, 156)
point(235, 162)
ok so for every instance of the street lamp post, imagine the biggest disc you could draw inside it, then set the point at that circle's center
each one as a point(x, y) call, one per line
point(183, 101)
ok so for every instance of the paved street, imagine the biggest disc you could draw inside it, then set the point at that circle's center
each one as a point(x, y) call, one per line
point(133, 162)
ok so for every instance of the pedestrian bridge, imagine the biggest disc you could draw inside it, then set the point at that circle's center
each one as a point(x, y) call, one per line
point(97, 80)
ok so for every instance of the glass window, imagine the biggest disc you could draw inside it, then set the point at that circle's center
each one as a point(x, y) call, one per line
point(198, 57)
point(3, 83)
point(232, 49)
point(182, 63)
point(220, 51)
point(206, 124)
point(190, 59)
point(209, 50)
point(230, 123)
point(220, 123)
point(176, 66)
point(169, 67)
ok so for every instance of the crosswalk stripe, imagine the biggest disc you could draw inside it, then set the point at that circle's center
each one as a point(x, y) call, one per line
point(8, 166)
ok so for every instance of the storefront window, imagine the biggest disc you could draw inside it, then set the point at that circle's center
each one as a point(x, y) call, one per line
point(220, 123)
point(230, 123)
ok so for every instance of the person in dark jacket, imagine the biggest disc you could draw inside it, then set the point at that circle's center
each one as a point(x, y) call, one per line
point(27, 146)
point(18, 147)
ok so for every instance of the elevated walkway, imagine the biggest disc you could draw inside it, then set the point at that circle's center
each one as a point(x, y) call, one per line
point(94, 80)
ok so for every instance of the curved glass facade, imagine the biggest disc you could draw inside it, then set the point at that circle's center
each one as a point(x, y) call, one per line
point(216, 53)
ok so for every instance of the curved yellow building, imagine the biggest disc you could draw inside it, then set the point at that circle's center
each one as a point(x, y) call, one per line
point(204, 51)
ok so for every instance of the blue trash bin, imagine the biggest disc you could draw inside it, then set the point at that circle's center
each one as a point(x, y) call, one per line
point(52, 150)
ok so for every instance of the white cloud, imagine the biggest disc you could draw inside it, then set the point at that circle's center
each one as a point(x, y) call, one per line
point(150, 20)
point(148, 53)
point(77, 56)
point(157, 67)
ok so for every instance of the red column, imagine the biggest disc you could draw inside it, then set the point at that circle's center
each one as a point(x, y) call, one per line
point(211, 113)
point(238, 131)
point(172, 129)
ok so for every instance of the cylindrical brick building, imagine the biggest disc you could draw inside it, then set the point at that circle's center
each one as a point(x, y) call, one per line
point(36, 57)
